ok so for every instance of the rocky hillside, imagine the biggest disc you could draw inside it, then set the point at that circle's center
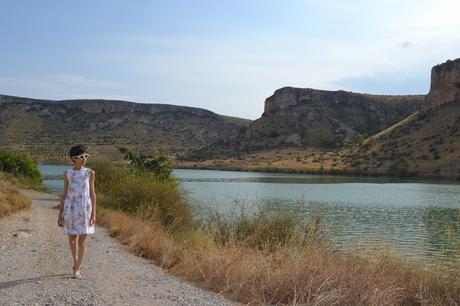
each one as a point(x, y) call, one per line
point(311, 130)
point(304, 117)
point(47, 128)
point(427, 143)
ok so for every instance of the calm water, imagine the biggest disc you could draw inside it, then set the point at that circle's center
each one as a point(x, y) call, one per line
point(413, 216)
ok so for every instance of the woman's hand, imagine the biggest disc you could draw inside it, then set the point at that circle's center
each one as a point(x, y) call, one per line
point(60, 221)
point(92, 220)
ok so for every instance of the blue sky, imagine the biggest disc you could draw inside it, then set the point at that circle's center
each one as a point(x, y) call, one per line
point(225, 56)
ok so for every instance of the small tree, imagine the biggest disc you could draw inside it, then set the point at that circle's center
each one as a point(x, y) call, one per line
point(159, 164)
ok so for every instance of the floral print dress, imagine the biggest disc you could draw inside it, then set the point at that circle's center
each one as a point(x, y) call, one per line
point(77, 204)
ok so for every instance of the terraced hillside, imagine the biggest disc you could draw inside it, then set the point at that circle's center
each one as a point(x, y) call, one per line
point(47, 128)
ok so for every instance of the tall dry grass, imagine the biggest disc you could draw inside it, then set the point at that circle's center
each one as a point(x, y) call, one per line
point(311, 275)
point(11, 200)
point(264, 259)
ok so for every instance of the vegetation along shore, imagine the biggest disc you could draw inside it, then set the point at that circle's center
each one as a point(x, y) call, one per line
point(257, 258)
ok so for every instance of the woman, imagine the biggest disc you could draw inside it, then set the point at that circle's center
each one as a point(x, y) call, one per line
point(77, 213)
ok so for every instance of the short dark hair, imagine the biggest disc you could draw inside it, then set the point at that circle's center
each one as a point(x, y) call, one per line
point(77, 150)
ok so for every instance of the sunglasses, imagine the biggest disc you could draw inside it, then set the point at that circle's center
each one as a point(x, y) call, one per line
point(82, 156)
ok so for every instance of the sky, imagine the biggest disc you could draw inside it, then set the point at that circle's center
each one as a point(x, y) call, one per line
point(225, 56)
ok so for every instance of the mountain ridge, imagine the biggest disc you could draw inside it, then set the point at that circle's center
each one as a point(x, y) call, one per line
point(300, 129)
point(49, 127)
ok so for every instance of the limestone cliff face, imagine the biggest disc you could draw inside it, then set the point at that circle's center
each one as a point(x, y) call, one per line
point(305, 117)
point(286, 97)
point(292, 98)
point(445, 83)
point(281, 99)
point(427, 142)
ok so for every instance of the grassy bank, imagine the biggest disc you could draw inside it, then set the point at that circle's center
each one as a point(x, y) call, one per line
point(17, 170)
point(258, 258)
point(11, 200)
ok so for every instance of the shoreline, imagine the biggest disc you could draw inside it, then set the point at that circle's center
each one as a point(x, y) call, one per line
point(320, 173)
point(324, 172)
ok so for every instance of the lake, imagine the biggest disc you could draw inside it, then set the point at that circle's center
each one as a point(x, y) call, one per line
point(415, 217)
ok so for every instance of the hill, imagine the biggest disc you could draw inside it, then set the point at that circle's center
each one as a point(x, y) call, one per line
point(311, 118)
point(316, 131)
point(426, 143)
point(47, 128)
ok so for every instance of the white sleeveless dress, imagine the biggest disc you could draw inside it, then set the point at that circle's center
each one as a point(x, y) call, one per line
point(77, 204)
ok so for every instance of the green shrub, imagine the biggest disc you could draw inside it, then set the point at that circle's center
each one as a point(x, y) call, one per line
point(142, 194)
point(159, 164)
point(19, 164)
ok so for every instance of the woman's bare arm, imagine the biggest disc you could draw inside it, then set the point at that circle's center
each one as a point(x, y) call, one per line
point(61, 205)
point(93, 193)
point(64, 195)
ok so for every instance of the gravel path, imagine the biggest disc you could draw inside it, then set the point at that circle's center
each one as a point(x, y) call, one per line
point(36, 267)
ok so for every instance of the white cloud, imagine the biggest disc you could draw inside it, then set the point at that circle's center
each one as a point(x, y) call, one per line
point(78, 80)
point(58, 80)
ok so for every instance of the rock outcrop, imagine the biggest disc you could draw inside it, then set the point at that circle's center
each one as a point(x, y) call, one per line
point(306, 117)
point(288, 97)
point(424, 144)
point(445, 83)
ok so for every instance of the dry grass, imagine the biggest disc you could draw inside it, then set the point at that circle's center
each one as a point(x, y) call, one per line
point(310, 275)
point(11, 200)
point(23, 182)
point(145, 240)
point(260, 258)
point(295, 160)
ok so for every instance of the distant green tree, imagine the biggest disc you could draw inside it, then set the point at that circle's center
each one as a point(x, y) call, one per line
point(159, 164)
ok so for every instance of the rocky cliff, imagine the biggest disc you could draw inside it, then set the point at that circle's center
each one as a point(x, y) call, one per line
point(304, 129)
point(445, 83)
point(305, 117)
point(427, 143)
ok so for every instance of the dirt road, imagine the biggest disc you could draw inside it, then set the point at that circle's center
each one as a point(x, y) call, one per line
point(36, 267)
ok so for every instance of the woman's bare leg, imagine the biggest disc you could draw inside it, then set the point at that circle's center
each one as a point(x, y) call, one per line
point(81, 250)
point(73, 248)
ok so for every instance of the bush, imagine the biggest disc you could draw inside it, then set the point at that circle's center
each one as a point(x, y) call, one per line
point(142, 194)
point(19, 164)
point(159, 164)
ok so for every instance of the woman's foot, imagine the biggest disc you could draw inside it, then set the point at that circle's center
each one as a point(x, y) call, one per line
point(76, 273)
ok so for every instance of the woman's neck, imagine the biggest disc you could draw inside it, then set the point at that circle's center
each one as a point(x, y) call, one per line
point(81, 167)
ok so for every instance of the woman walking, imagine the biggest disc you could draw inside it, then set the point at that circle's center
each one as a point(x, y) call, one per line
point(77, 213)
